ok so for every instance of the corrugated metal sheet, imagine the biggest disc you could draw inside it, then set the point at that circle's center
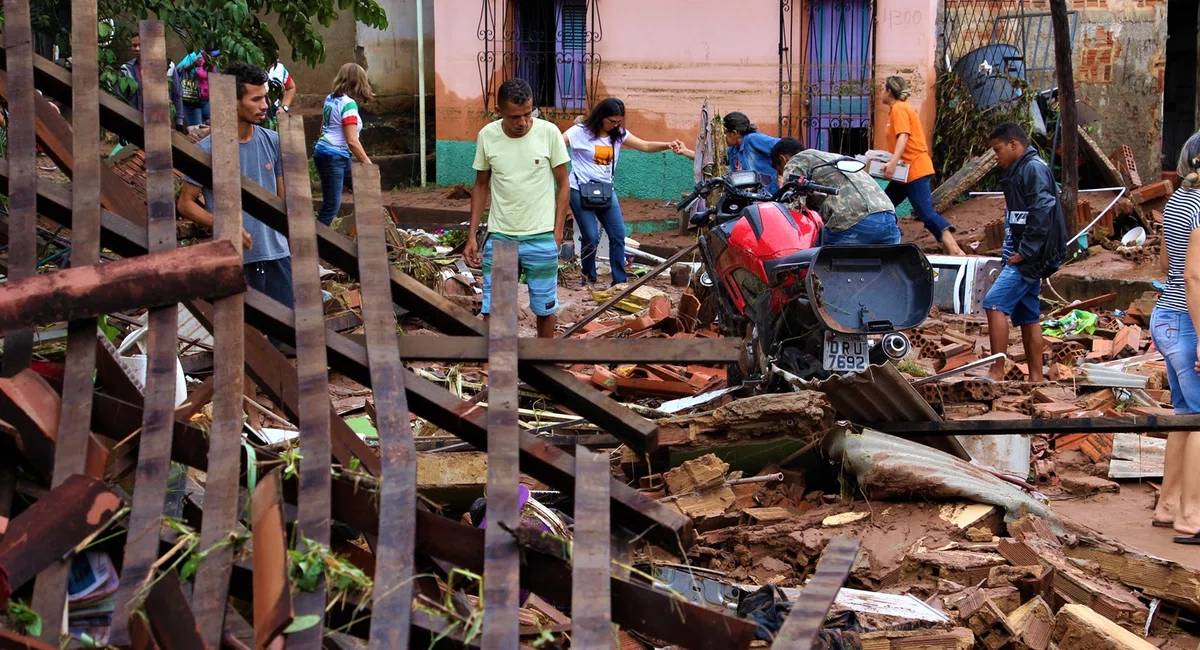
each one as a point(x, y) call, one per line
point(882, 394)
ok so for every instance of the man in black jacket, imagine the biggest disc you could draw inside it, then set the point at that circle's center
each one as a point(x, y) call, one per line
point(1034, 246)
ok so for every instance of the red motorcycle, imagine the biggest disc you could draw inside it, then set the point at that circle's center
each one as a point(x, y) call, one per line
point(801, 308)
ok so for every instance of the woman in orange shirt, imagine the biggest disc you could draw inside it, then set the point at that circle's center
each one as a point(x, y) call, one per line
point(906, 138)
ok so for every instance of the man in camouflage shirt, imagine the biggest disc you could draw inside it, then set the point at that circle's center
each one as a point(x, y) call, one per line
point(861, 213)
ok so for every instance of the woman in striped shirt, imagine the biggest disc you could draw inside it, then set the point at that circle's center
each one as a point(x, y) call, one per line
point(1173, 326)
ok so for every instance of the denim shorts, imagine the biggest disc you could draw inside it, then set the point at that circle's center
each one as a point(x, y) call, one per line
point(1015, 295)
point(1175, 337)
point(537, 257)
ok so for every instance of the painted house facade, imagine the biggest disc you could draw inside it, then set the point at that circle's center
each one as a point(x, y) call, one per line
point(805, 68)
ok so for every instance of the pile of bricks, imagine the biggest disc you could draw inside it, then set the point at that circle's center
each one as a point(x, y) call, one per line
point(658, 320)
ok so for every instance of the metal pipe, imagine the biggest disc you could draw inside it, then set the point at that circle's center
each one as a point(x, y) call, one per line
point(421, 87)
point(1120, 193)
point(964, 368)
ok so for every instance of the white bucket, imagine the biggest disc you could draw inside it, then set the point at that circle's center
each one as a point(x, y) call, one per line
point(137, 363)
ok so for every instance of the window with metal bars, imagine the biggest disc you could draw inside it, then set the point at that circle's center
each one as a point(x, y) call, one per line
point(548, 43)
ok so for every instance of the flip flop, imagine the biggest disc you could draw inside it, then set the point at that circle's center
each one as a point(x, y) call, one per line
point(1161, 524)
point(1193, 540)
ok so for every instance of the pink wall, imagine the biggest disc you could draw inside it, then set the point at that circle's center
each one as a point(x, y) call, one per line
point(906, 45)
point(664, 57)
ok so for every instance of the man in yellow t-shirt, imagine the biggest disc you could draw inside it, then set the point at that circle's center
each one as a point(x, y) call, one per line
point(521, 162)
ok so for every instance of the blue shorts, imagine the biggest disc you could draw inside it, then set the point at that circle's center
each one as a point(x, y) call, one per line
point(1015, 295)
point(1175, 337)
point(537, 257)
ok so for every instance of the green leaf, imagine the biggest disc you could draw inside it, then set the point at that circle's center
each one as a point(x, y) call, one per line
point(189, 568)
point(301, 623)
point(111, 333)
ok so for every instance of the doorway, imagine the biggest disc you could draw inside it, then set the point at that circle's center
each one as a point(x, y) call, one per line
point(1180, 84)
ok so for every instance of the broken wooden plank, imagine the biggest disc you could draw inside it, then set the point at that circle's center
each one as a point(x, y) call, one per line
point(56, 137)
point(1156, 577)
point(591, 588)
point(502, 557)
point(1083, 304)
point(398, 482)
point(801, 626)
point(53, 526)
point(22, 156)
point(272, 589)
point(30, 403)
point(154, 449)
point(71, 448)
point(207, 270)
point(963, 180)
point(171, 620)
point(211, 591)
point(457, 349)
point(312, 369)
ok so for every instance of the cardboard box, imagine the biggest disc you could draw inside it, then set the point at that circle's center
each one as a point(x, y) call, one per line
point(875, 168)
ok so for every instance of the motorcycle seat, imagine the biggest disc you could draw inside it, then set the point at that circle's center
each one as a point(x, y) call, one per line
point(781, 266)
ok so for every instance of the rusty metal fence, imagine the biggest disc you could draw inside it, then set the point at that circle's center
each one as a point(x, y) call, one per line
point(104, 449)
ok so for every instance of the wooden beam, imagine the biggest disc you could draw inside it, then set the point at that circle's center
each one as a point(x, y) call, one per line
point(158, 416)
point(22, 156)
point(502, 561)
point(963, 180)
point(398, 483)
point(591, 587)
point(210, 596)
point(804, 622)
point(272, 590)
point(54, 525)
point(70, 452)
point(171, 619)
point(312, 369)
point(159, 280)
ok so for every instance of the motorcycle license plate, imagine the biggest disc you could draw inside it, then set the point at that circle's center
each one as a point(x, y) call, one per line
point(845, 352)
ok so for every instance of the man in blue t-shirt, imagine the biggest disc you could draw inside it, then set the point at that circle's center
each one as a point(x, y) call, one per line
point(267, 260)
point(746, 149)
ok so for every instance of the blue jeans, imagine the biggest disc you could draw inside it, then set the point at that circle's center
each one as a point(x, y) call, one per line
point(587, 221)
point(921, 198)
point(876, 228)
point(334, 171)
point(1175, 337)
point(1015, 295)
point(196, 115)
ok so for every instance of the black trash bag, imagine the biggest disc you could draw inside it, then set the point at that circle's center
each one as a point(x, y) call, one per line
point(768, 607)
point(841, 632)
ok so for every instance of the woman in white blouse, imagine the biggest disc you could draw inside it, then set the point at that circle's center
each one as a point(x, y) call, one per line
point(595, 145)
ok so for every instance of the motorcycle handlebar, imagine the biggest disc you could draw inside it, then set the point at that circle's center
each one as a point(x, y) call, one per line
point(687, 201)
point(823, 189)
